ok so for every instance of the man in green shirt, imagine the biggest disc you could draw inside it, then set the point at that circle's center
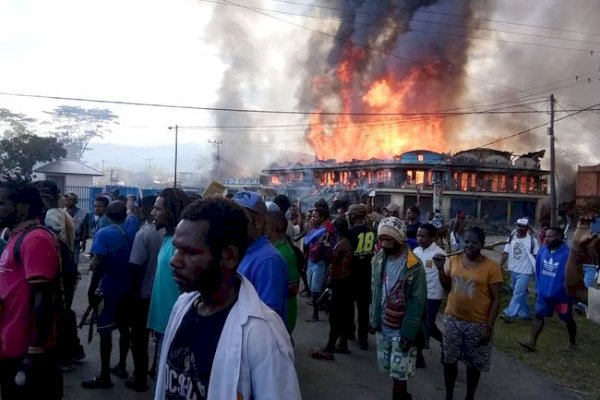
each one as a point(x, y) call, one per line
point(276, 228)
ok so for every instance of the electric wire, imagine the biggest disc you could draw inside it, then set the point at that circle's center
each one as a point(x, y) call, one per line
point(264, 111)
point(497, 21)
point(413, 29)
point(536, 127)
point(368, 47)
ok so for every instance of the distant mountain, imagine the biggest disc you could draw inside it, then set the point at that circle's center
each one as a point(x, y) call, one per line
point(191, 156)
point(135, 158)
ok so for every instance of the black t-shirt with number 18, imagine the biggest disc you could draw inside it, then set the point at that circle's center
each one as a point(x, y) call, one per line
point(363, 242)
point(191, 355)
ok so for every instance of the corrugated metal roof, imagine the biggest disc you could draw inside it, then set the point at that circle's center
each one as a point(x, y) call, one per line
point(68, 167)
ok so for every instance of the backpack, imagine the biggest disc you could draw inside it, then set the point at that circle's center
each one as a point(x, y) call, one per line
point(532, 242)
point(65, 281)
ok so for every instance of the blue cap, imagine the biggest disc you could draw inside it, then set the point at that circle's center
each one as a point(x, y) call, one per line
point(251, 200)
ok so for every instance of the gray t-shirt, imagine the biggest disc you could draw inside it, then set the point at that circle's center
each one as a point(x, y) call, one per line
point(144, 252)
point(391, 273)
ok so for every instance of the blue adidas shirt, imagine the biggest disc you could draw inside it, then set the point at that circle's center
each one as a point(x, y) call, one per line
point(550, 272)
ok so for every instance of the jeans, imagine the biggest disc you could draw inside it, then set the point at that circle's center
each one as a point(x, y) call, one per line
point(317, 275)
point(518, 307)
point(590, 274)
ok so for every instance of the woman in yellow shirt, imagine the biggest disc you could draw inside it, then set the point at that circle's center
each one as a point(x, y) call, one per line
point(474, 282)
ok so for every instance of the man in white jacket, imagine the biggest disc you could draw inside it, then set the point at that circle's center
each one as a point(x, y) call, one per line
point(222, 342)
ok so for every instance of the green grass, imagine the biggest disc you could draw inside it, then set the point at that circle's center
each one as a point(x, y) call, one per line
point(579, 371)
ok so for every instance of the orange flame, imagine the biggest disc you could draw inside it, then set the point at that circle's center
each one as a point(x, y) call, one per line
point(275, 180)
point(347, 137)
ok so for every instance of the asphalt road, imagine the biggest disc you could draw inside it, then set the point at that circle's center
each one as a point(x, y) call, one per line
point(348, 377)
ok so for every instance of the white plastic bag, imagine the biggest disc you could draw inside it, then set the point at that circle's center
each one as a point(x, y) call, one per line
point(593, 308)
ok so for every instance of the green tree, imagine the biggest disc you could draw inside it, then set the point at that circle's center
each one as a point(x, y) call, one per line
point(74, 127)
point(18, 154)
point(15, 123)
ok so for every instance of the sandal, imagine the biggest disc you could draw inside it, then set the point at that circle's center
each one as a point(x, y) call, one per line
point(320, 354)
point(119, 371)
point(527, 347)
point(341, 350)
point(97, 383)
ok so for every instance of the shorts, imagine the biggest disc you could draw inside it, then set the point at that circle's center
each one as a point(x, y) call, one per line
point(112, 312)
point(546, 306)
point(390, 358)
point(316, 275)
point(461, 342)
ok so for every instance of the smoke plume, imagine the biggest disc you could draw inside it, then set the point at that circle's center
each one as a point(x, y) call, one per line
point(458, 54)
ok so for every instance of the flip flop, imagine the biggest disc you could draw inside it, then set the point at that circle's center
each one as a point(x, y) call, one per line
point(319, 354)
point(527, 347)
point(341, 350)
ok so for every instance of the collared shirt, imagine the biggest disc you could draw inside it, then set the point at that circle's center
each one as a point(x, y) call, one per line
point(264, 266)
point(254, 356)
point(435, 291)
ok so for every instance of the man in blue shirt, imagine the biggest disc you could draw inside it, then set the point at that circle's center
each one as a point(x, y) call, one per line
point(551, 294)
point(263, 265)
point(111, 285)
point(97, 219)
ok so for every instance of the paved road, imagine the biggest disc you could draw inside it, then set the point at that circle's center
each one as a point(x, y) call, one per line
point(348, 377)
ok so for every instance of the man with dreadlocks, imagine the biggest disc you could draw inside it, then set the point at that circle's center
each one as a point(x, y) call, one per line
point(166, 214)
point(29, 267)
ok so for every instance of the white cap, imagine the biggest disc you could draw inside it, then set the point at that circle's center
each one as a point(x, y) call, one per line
point(523, 221)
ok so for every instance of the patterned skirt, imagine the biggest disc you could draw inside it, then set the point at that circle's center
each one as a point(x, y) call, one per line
point(462, 342)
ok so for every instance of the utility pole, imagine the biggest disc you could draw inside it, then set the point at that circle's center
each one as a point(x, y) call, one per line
point(218, 143)
point(103, 178)
point(149, 165)
point(553, 207)
point(175, 169)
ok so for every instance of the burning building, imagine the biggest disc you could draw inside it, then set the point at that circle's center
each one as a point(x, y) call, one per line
point(485, 183)
point(588, 185)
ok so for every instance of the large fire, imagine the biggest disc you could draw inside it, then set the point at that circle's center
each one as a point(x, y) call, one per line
point(347, 137)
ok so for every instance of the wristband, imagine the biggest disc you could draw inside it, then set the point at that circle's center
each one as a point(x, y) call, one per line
point(577, 252)
point(35, 350)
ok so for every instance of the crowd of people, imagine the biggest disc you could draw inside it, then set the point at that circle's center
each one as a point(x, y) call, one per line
point(215, 282)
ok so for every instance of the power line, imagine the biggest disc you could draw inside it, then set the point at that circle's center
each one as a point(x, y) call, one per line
point(551, 86)
point(413, 29)
point(364, 46)
point(463, 17)
point(259, 111)
point(580, 122)
point(240, 168)
point(536, 127)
